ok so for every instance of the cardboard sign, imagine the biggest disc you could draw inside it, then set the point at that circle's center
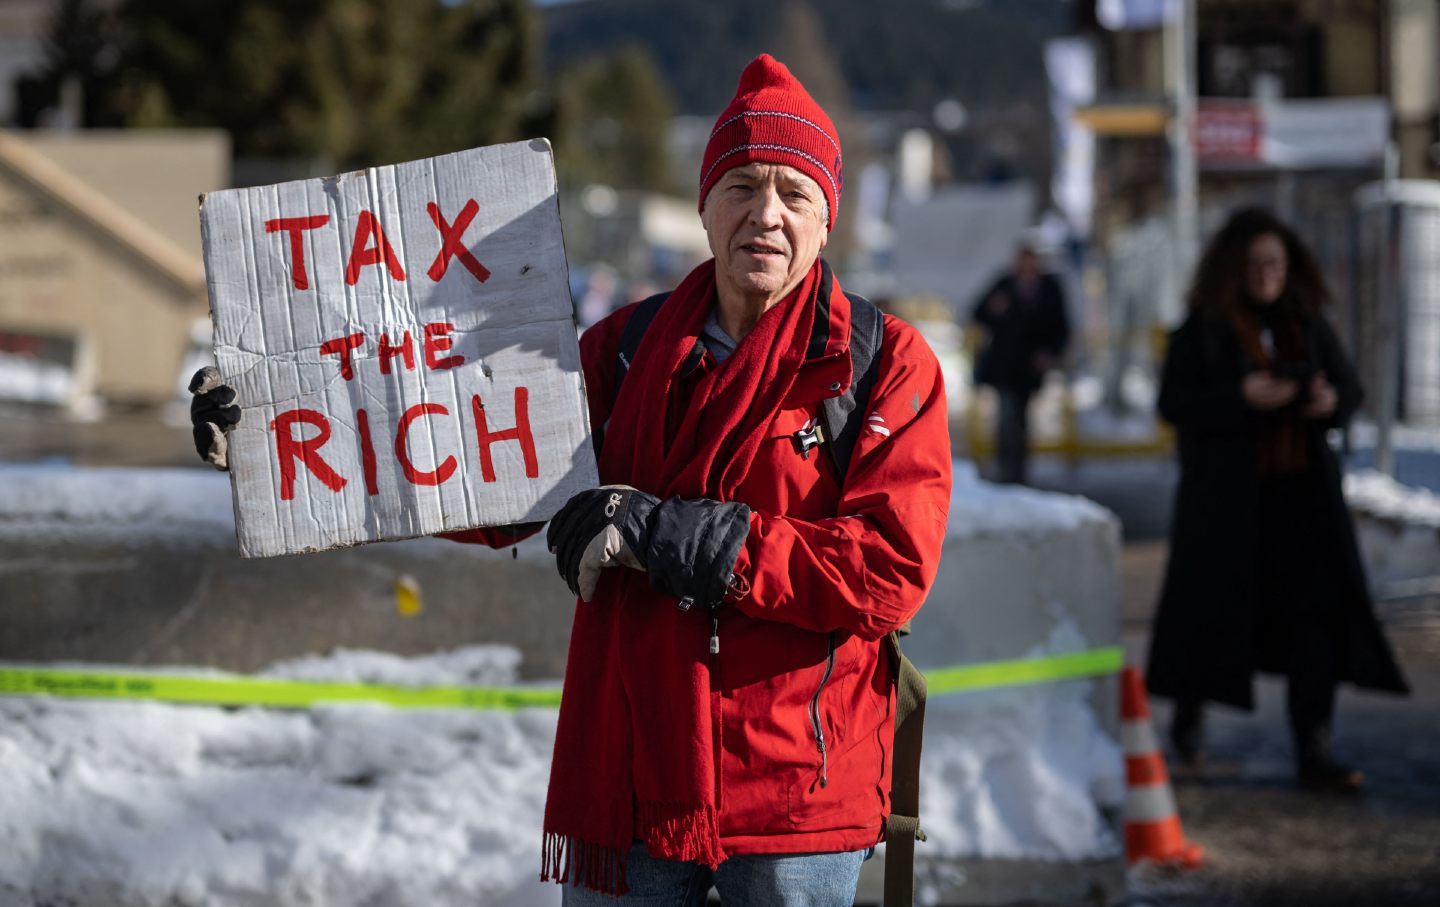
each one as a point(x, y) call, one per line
point(403, 348)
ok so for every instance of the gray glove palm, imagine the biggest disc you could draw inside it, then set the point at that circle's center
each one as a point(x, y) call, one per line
point(598, 528)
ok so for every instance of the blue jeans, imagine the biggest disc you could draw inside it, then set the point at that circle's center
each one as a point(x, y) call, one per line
point(747, 880)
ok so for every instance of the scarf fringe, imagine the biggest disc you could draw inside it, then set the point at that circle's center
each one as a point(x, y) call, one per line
point(568, 860)
point(681, 833)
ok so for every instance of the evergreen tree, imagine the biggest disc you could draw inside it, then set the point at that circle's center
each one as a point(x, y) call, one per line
point(353, 82)
point(611, 120)
point(81, 53)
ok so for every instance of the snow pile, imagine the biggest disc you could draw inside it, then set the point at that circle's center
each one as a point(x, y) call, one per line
point(1377, 495)
point(59, 501)
point(135, 804)
point(478, 666)
point(978, 507)
point(116, 804)
point(33, 380)
point(193, 506)
point(1021, 772)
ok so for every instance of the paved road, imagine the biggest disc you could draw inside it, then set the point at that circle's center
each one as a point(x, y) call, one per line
point(1267, 842)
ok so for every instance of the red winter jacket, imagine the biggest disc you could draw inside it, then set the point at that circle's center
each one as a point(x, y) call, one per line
point(825, 574)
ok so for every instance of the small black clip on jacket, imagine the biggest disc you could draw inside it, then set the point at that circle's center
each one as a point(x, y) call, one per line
point(807, 439)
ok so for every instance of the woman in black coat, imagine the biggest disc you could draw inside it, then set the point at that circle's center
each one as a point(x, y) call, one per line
point(1264, 571)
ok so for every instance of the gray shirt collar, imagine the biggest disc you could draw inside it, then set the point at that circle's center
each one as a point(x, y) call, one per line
point(719, 343)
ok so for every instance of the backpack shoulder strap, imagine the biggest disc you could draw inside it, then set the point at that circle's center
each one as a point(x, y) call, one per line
point(844, 415)
point(632, 333)
point(902, 826)
point(630, 336)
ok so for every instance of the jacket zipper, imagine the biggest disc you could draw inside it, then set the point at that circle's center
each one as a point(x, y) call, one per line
point(815, 723)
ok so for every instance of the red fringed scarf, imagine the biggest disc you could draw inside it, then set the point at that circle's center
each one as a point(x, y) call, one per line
point(636, 747)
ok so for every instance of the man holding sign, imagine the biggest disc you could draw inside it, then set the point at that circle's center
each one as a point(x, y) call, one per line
point(729, 705)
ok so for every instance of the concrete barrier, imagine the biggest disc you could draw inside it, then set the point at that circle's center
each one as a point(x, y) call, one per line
point(140, 567)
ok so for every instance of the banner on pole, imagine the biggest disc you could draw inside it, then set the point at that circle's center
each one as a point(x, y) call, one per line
point(403, 347)
point(1311, 133)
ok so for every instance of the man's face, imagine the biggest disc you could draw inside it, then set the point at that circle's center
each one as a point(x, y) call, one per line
point(766, 224)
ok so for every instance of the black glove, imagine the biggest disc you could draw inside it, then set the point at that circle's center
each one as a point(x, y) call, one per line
point(688, 548)
point(212, 414)
point(693, 548)
point(597, 528)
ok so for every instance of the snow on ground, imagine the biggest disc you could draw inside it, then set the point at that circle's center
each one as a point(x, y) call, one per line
point(135, 804)
point(34, 381)
point(1021, 772)
point(58, 501)
point(978, 507)
point(116, 804)
point(1377, 495)
point(193, 505)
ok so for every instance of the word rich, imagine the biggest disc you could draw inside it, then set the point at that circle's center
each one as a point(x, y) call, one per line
point(292, 450)
point(370, 246)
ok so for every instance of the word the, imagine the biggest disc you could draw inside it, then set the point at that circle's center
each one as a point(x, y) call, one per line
point(437, 341)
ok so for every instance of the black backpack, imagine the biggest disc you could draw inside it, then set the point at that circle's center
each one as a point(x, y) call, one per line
point(841, 419)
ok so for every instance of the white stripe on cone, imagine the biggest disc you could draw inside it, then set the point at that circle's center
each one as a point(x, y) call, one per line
point(1150, 803)
point(1138, 737)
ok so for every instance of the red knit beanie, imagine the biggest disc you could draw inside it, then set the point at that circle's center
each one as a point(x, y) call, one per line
point(772, 119)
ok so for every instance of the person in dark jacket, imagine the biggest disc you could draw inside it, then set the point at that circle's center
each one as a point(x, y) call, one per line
point(1024, 314)
point(1264, 571)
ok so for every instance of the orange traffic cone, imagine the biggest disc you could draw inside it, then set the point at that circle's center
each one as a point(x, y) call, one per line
point(1152, 824)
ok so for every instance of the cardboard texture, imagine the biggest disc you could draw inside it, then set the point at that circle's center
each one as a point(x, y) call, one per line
point(389, 334)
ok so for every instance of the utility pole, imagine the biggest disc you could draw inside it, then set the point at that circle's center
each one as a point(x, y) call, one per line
point(1388, 293)
point(1180, 59)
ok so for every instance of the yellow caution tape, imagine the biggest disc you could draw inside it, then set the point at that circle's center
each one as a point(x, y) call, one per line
point(260, 691)
point(1021, 671)
point(296, 694)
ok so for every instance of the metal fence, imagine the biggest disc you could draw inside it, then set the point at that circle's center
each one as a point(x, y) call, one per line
point(1398, 332)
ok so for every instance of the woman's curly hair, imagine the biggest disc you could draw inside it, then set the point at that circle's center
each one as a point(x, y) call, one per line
point(1219, 286)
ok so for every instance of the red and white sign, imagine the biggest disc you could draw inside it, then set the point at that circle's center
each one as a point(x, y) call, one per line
point(1295, 134)
point(402, 344)
point(1227, 131)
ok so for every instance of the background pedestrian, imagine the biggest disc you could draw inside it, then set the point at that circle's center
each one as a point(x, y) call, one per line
point(1264, 572)
point(1024, 316)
